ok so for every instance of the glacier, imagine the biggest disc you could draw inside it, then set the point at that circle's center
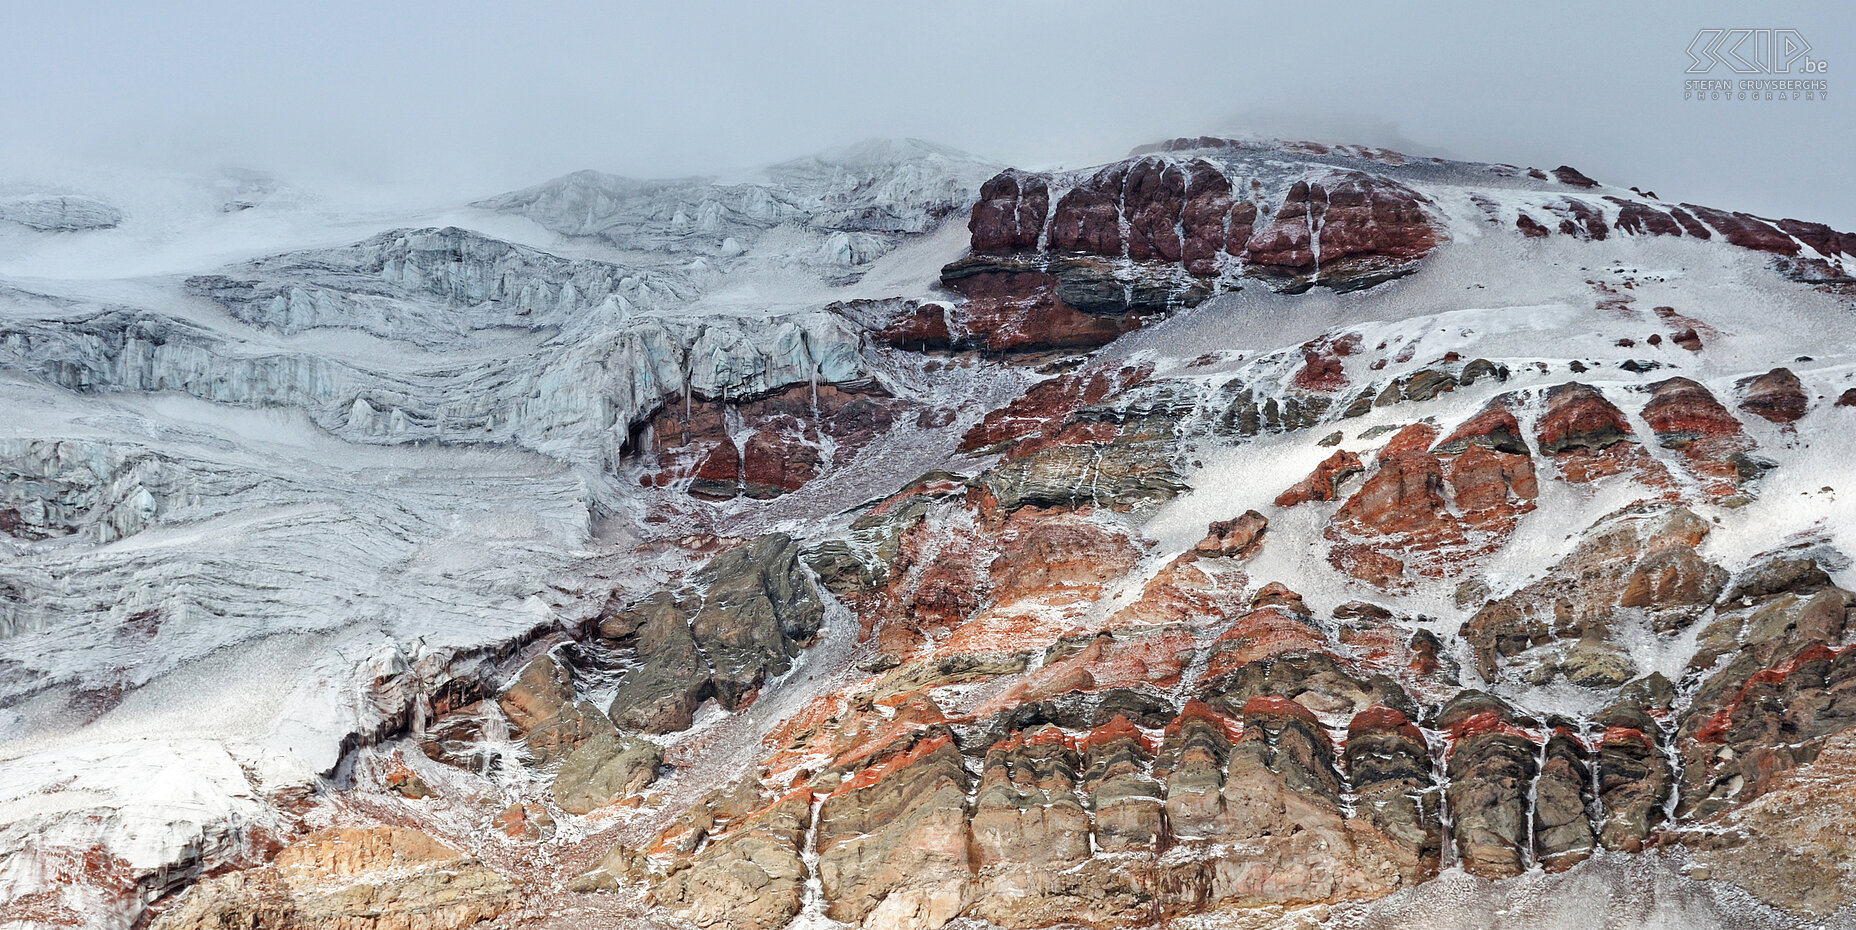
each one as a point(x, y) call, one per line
point(278, 480)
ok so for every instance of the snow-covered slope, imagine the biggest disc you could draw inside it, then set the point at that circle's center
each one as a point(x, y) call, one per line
point(306, 517)
point(260, 512)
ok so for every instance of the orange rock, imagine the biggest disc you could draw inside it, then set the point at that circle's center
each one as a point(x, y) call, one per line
point(1239, 537)
point(1323, 484)
point(1414, 438)
point(1045, 406)
point(1685, 416)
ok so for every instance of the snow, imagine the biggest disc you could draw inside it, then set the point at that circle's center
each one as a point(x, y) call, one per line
point(287, 510)
point(282, 504)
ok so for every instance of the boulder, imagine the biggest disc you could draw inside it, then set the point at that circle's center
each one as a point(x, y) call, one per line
point(1239, 537)
point(545, 714)
point(604, 769)
point(1323, 484)
point(759, 609)
point(1777, 395)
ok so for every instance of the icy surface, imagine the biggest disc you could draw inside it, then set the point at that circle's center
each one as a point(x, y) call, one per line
point(285, 468)
point(846, 207)
point(277, 475)
point(59, 212)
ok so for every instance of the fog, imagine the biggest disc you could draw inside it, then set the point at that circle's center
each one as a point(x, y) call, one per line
point(459, 99)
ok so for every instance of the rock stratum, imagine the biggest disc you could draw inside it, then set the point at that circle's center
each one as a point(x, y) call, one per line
point(1239, 534)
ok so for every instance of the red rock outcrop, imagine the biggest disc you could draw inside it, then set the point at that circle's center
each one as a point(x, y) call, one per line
point(1323, 484)
point(1589, 438)
point(1745, 230)
point(1579, 219)
point(1432, 509)
point(1777, 395)
point(1010, 213)
point(1044, 408)
point(1785, 684)
point(1640, 219)
point(1049, 275)
point(1403, 497)
point(1026, 311)
point(1685, 416)
point(1346, 230)
point(1322, 368)
point(776, 448)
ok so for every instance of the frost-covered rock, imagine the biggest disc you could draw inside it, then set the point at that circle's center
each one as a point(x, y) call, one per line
point(434, 286)
point(105, 491)
point(855, 203)
point(59, 212)
point(575, 395)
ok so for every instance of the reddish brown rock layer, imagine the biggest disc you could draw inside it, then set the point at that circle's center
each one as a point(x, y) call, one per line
point(1323, 484)
point(1589, 438)
point(1337, 227)
point(1777, 395)
point(1429, 509)
point(777, 447)
point(1685, 416)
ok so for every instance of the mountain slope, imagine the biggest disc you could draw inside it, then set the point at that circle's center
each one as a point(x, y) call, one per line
point(1239, 533)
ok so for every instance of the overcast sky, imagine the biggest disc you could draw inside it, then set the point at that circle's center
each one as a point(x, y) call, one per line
point(475, 97)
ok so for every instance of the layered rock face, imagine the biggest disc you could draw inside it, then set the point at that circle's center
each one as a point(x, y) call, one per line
point(622, 381)
point(1201, 216)
point(1074, 260)
point(752, 611)
point(381, 878)
point(1064, 587)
